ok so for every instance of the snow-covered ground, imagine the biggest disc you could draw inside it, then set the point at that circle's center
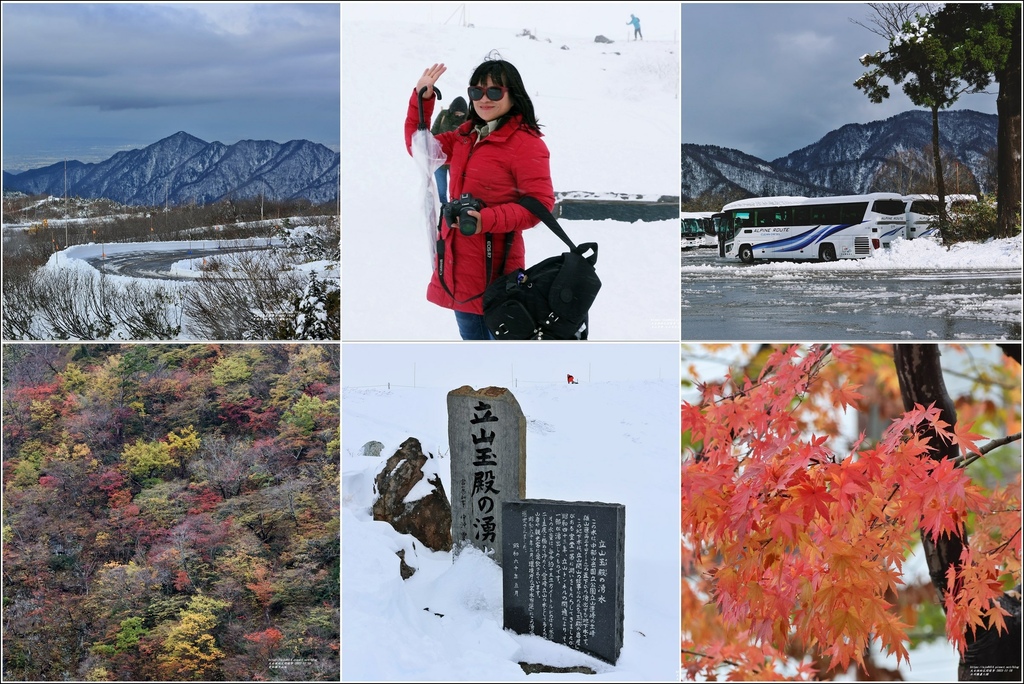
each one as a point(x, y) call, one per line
point(610, 117)
point(86, 262)
point(903, 256)
point(614, 437)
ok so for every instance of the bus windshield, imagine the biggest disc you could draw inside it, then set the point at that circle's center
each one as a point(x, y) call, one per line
point(691, 226)
point(888, 207)
point(925, 207)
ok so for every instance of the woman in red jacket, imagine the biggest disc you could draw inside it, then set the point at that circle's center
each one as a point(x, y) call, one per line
point(496, 157)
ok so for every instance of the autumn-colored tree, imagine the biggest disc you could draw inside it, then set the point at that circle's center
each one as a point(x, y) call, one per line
point(129, 542)
point(145, 459)
point(794, 542)
point(262, 588)
point(265, 642)
point(309, 422)
point(190, 650)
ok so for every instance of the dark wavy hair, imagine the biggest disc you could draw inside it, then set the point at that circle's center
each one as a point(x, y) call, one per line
point(503, 73)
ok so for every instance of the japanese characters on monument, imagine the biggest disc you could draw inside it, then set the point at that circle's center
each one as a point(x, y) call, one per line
point(487, 437)
point(563, 573)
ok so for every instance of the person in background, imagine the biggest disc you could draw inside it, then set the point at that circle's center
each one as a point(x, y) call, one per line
point(448, 120)
point(635, 21)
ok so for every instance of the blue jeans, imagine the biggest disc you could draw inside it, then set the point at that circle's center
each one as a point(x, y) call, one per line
point(471, 326)
point(441, 177)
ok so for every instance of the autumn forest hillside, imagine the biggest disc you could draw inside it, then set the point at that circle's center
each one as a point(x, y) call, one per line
point(170, 512)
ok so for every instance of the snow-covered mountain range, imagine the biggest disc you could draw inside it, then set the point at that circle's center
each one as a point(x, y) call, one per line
point(844, 161)
point(182, 168)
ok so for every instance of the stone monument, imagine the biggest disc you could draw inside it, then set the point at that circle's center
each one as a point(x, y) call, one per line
point(563, 572)
point(487, 438)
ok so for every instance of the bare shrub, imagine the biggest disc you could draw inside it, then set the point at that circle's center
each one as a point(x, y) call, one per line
point(74, 303)
point(148, 311)
point(19, 309)
point(247, 298)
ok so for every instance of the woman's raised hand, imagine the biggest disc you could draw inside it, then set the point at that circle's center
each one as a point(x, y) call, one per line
point(429, 77)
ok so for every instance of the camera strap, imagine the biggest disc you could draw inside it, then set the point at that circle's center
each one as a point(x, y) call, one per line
point(488, 249)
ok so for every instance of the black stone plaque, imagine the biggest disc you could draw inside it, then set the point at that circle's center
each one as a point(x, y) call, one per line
point(563, 571)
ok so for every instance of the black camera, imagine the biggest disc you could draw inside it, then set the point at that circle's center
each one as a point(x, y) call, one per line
point(458, 210)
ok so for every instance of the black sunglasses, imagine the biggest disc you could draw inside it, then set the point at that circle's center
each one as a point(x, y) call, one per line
point(494, 93)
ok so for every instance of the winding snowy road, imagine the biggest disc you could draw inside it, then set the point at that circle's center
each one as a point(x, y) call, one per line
point(157, 264)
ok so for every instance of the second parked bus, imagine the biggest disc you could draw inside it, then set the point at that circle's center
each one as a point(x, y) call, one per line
point(922, 210)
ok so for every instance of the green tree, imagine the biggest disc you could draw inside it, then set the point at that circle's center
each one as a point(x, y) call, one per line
point(987, 38)
point(931, 69)
point(131, 631)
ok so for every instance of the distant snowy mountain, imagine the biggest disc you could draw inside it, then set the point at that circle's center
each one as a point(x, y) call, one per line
point(709, 169)
point(845, 161)
point(182, 169)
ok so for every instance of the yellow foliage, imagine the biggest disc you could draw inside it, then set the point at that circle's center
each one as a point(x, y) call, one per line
point(139, 407)
point(75, 380)
point(189, 650)
point(74, 453)
point(42, 412)
point(98, 674)
point(143, 459)
point(186, 442)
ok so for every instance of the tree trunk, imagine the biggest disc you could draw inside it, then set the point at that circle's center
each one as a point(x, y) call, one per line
point(989, 656)
point(940, 183)
point(1008, 107)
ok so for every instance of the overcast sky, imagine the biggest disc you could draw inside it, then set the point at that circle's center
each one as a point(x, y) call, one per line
point(769, 79)
point(86, 80)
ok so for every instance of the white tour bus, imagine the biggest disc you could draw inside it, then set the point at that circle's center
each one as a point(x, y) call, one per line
point(696, 230)
point(826, 228)
point(922, 210)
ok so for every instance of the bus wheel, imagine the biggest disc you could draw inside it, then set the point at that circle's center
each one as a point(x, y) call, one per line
point(747, 254)
point(828, 252)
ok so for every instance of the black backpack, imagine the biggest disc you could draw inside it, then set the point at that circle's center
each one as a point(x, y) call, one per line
point(549, 300)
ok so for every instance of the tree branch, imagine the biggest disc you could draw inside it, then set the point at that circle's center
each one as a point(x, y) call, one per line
point(705, 655)
point(964, 461)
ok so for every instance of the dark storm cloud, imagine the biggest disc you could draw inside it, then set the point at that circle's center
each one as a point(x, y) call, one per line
point(144, 71)
point(769, 79)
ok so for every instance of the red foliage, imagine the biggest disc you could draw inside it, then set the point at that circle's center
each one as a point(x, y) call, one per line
point(201, 499)
point(315, 389)
point(249, 416)
point(44, 391)
point(271, 637)
point(797, 545)
point(181, 581)
point(266, 641)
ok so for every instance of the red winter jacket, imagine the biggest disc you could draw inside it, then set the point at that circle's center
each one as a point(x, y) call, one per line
point(509, 163)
